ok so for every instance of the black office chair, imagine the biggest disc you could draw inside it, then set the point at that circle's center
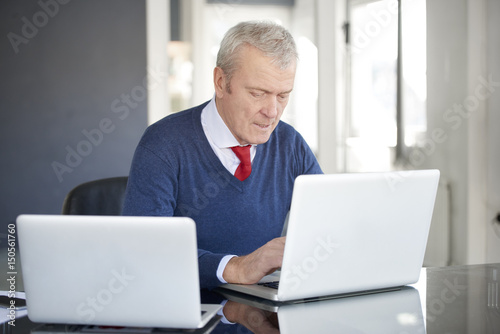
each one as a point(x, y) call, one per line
point(99, 197)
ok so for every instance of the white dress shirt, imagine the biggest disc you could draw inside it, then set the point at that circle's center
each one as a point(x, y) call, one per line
point(221, 140)
point(220, 137)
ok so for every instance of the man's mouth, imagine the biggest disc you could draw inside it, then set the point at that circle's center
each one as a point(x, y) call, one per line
point(263, 126)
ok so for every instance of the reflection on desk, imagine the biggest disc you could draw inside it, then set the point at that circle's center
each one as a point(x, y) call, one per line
point(55, 329)
point(461, 299)
point(385, 312)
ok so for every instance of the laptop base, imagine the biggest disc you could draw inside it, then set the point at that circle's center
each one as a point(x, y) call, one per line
point(238, 291)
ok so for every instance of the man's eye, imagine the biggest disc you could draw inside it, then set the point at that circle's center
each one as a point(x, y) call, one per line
point(256, 94)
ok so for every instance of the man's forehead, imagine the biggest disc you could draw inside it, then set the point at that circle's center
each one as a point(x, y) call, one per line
point(246, 52)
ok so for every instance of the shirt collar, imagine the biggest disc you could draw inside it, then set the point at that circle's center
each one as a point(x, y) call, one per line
point(216, 128)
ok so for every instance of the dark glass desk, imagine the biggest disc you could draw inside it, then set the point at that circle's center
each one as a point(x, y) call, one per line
point(461, 299)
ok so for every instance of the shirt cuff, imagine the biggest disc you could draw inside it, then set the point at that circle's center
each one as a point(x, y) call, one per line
point(221, 313)
point(222, 266)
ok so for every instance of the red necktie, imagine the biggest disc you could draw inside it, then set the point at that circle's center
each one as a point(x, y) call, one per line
point(245, 167)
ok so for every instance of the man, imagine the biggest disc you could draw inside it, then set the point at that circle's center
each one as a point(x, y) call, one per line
point(188, 164)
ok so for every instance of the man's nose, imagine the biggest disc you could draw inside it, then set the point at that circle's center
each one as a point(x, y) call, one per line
point(271, 107)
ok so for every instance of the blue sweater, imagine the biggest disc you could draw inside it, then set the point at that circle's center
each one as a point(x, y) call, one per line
point(175, 172)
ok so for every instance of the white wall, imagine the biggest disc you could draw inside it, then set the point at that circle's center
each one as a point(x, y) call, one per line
point(493, 133)
point(461, 115)
point(157, 37)
point(330, 16)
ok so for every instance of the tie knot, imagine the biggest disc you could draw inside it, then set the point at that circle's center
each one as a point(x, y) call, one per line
point(243, 153)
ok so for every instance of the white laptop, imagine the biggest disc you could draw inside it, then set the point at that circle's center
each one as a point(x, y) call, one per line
point(112, 270)
point(352, 234)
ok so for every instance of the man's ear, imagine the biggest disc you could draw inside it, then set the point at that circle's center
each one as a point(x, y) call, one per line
point(219, 82)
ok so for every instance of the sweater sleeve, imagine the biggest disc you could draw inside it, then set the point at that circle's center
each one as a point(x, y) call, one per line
point(305, 158)
point(152, 191)
point(208, 263)
point(151, 187)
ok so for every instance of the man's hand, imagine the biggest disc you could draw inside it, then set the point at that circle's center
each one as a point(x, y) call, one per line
point(249, 269)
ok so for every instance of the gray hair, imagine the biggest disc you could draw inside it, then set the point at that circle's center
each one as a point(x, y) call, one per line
point(270, 38)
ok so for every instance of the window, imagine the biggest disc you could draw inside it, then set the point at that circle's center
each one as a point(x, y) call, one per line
point(386, 83)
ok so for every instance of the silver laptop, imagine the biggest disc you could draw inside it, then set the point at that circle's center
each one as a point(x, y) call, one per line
point(352, 234)
point(112, 270)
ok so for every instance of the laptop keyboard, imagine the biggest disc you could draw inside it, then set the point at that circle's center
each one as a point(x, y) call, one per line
point(273, 285)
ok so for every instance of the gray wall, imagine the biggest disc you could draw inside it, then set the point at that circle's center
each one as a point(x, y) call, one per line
point(71, 80)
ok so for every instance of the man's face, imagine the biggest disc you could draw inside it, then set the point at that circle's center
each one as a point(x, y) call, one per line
point(259, 92)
